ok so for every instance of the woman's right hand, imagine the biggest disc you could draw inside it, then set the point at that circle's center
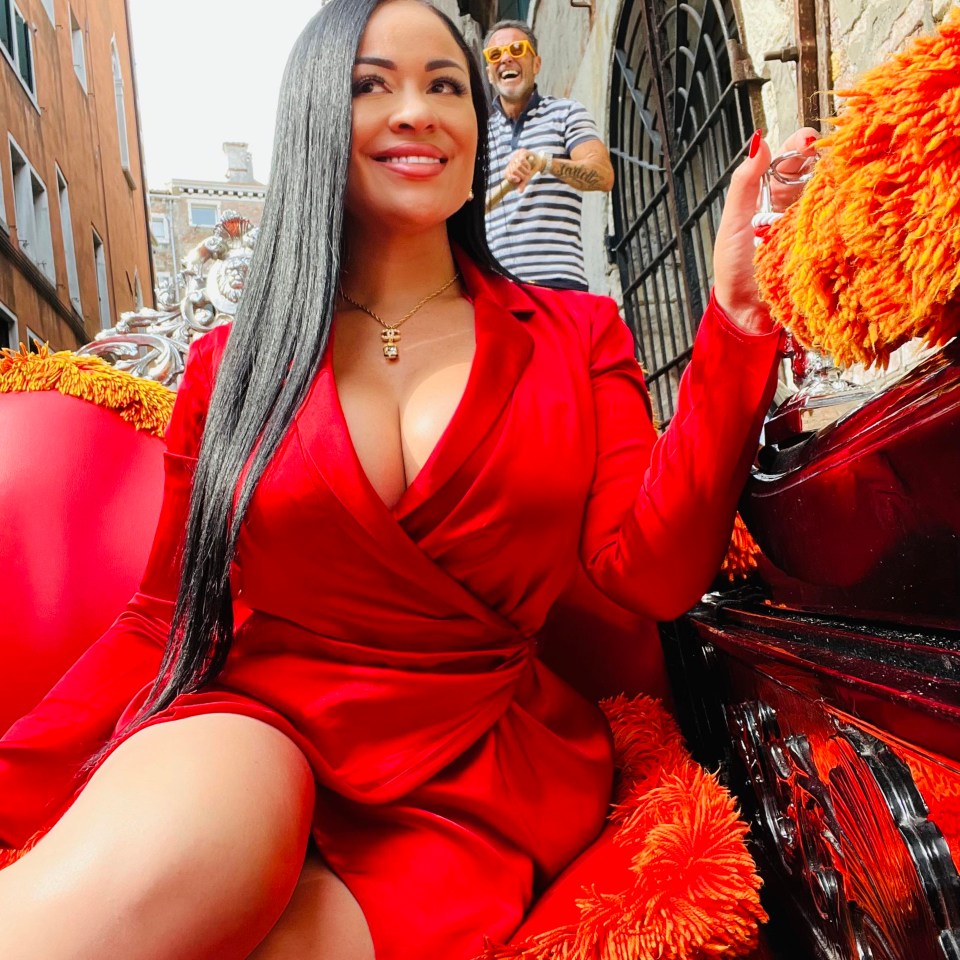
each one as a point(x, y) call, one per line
point(735, 286)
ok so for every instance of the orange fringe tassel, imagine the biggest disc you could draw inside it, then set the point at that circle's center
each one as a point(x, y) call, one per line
point(742, 554)
point(869, 256)
point(696, 889)
point(144, 404)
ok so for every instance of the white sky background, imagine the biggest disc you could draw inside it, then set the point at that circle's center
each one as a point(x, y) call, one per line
point(209, 71)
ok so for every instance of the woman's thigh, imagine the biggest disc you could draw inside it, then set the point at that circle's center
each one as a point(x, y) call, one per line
point(186, 844)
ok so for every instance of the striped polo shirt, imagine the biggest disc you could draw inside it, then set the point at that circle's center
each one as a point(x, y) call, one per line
point(536, 234)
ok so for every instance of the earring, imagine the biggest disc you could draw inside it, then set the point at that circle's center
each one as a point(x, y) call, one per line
point(470, 194)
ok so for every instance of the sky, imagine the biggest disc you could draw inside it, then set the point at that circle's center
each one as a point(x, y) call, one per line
point(209, 71)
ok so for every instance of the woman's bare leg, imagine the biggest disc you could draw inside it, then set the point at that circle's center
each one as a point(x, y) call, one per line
point(323, 921)
point(186, 845)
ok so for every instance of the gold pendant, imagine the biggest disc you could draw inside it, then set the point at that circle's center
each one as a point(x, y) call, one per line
point(391, 338)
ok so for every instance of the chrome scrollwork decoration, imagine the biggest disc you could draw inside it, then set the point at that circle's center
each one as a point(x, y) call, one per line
point(153, 343)
point(756, 736)
point(872, 875)
point(928, 850)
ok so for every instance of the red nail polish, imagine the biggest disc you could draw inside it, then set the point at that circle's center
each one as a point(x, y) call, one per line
point(755, 143)
point(809, 140)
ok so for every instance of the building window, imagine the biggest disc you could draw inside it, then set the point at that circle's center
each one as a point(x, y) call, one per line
point(34, 343)
point(160, 228)
point(79, 56)
point(24, 54)
point(103, 291)
point(121, 107)
point(204, 214)
point(32, 213)
point(69, 248)
point(8, 328)
point(17, 41)
point(6, 26)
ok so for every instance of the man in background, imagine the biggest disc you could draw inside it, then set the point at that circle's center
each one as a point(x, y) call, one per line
point(550, 148)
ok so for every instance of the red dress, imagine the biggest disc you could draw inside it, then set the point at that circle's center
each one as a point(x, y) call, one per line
point(398, 647)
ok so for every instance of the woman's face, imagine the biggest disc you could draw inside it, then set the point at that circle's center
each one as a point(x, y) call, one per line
point(414, 126)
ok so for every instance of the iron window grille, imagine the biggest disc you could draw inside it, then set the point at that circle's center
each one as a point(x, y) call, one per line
point(681, 113)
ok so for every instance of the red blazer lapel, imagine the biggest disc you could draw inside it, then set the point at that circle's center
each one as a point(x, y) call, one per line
point(504, 348)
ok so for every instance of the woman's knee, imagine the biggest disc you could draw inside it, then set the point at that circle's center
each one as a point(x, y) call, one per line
point(196, 826)
point(245, 797)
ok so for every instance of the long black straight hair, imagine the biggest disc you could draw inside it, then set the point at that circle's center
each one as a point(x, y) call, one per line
point(282, 326)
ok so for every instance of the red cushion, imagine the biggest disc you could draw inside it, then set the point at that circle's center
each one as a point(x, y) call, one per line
point(80, 493)
point(602, 864)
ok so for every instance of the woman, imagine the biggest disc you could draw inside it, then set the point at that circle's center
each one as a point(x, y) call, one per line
point(394, 531)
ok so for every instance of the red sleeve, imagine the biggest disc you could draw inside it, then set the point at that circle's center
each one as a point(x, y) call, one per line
point(42, 753)
point(660, 511)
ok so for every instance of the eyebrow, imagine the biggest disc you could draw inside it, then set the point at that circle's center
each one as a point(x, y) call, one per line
point(390, 65)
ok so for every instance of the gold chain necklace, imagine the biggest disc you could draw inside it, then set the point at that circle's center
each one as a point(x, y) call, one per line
point(390, 334)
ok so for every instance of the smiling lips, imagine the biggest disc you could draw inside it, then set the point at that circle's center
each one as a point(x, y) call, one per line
point(417, 162)
point(411, 159)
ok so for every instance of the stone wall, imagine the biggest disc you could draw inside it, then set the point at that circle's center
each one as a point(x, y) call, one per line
point(865, 34)
point(767, 25)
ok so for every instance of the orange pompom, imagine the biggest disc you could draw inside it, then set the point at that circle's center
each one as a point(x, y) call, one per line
point(869, 256)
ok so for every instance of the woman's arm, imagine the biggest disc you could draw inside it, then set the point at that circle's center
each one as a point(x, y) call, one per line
point(661, 511)
point(41, 754)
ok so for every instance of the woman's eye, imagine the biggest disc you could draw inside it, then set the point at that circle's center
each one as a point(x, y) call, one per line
point(448, 85)
point(367, 84)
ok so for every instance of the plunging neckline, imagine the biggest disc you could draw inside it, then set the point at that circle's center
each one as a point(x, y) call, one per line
point(503, 349)
point(428, 467)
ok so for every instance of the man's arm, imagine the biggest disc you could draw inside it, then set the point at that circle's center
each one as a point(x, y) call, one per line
point(588, 168)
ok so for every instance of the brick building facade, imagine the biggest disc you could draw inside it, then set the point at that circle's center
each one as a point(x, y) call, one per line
point(74, 249)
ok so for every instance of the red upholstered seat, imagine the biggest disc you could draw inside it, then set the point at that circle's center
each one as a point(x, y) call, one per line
point(80, 494)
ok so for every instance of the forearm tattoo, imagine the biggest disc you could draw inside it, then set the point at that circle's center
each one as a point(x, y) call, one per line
point(576, 174)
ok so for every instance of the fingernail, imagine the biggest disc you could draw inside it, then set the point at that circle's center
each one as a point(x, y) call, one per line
point(755, 143)
point(809, 141)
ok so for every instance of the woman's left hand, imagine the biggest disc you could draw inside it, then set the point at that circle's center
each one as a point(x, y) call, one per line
point(735, 286)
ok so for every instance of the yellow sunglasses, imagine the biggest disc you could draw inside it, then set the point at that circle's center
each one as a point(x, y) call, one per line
point(516, 49)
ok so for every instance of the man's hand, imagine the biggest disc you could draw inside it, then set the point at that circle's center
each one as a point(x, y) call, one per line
point(522, 165)
point(735, 286)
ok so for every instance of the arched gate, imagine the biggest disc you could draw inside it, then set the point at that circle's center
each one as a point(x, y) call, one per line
point(680, 117)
